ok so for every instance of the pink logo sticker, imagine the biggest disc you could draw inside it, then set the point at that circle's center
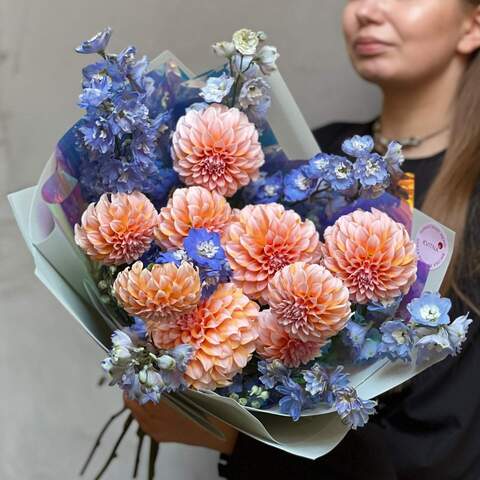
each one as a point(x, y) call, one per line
point(431, 245)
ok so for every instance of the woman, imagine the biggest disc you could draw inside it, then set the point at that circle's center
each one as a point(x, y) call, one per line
point(423, 56)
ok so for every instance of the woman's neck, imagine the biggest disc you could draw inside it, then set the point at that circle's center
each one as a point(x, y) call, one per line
point(420, 110)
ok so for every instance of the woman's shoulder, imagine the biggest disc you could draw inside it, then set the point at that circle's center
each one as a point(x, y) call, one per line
point(331, 136)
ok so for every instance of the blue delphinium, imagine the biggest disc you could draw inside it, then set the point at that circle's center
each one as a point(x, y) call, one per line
point(397, 340)
point(217, 88)
point(340, 174)
point(363, 339)
point(383, 310)
point(267, 189)
point(272, 372)
point(98, 135)
point(355, 334)
point(318, 166)
point(95, 92)
point(316, 380)
point(293, 398)
point(298, 185)
point(97, 43)
point(358, 146)
point(457, 332)
point(175, 256)
point(204, 248)
point(394, 159)
point(430, 310)
point(370, 170)
point(141, 370)
point(353, 411)
point(434, 345)
point(122, 142)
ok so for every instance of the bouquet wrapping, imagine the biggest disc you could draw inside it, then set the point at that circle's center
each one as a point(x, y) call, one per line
point(193, 228)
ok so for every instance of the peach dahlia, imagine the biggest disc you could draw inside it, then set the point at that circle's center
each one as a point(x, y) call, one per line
point(372, 254)
point(223, 330)
point(262, 239)
point(118, 228)
point(309, 302)
point(217, 148)
point(193, 207)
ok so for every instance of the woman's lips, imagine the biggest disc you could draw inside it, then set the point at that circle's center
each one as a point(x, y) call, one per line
point(369, 47)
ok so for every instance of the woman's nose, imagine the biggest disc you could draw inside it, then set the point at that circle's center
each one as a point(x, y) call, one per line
point(370, 11)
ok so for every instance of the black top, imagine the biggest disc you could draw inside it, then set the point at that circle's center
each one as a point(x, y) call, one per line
point(430, 429)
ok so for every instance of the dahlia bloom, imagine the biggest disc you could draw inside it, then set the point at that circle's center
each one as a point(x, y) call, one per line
point(217, 148)
point(223, 329)
point(118, 229)
point(309, 302)
point(164, 291)
point(261, 239)
point(193, 207)
point(275, 343)
point(372, 254)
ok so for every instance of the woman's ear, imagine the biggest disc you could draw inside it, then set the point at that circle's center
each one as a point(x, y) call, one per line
point(470, 41)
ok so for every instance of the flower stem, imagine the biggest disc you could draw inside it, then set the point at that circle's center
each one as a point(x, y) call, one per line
point(113, 454)
point(151, 459)
point(99, 439)
point(141, 437)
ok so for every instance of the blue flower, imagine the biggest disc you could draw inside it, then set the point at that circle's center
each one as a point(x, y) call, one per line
point(457, 332)
point(272, 372)
point(430, 310)
point(298, 186)
point(104, 69)
point(355, 334)
point(268, 189)
point(353, 411)
point(318, 166)
point(138, 330)
point(394, 159)
point(176, 257)
point(340, 174)
point(97, 43)
point(337, 379)
point(293, 398)
point(316, 380)
point(383, 309)
point(371, 171)
point(397, 340)
point(121, 347)
point(197, 107)
point(210, 278)
point(255, 92)
point(129, 112)
point(217, 88)
point(358, 146)
point(97, 135)
point(370, 347)
point(204, 248)
point(172, 374)
point(436, 345)
point(95, 92)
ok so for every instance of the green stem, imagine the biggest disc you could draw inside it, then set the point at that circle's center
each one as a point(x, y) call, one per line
point(113, 454)
point(152, 458)
point(141, 437)
point(99, 439)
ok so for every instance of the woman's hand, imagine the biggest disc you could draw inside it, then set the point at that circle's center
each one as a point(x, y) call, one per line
point(165, 424)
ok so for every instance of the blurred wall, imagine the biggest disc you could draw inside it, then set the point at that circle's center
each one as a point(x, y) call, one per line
point(50, 408)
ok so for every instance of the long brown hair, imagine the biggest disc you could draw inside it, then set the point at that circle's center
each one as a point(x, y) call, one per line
point(449, 198)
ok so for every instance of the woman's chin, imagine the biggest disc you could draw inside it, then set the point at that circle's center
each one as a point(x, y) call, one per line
point(375, 72)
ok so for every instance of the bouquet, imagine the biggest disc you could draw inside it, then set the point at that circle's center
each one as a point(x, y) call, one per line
point(191, 225)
